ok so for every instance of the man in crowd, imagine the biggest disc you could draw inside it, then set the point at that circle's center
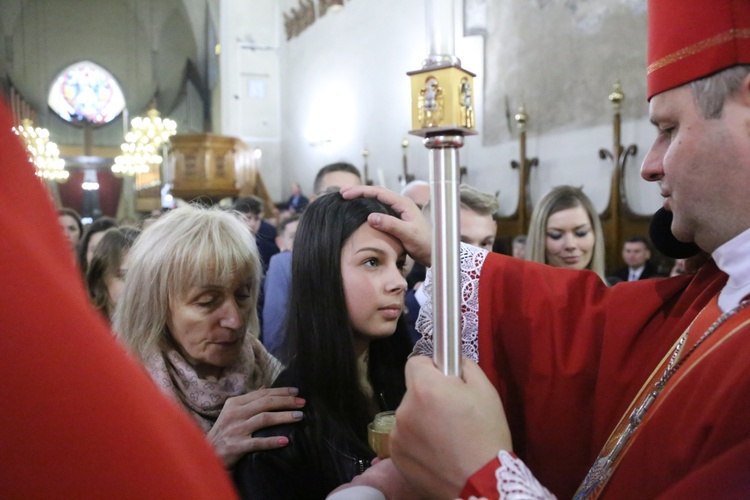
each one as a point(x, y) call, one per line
point(629, 391)
point(276, 286)
point(252, 208)
point(417, 191)
point(636, 254)
point(519, 247)
point(477, 217)
point(336, 175)
point(297, 201)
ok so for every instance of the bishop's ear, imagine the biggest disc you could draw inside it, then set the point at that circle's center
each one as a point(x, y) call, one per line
point(743, 93)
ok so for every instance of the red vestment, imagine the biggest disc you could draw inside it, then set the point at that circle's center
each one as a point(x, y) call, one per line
point(568, 355)
point(81, 419)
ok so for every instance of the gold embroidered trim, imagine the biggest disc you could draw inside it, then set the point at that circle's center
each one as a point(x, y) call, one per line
point(668, 390)
point(696, 361)
point(730, 35)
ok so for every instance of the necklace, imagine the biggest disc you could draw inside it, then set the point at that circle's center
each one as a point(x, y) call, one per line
point(603, 468)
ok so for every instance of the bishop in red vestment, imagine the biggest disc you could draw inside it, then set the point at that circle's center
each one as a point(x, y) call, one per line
point(637, 391)
point(81, 418)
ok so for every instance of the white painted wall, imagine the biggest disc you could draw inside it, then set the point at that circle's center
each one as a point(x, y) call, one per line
point(344, 80)
point(250, 98)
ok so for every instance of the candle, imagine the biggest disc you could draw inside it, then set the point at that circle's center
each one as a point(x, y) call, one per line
point(440, 27)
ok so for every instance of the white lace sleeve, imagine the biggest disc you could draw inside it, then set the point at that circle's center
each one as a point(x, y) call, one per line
point(472, 259)
point(515, 481)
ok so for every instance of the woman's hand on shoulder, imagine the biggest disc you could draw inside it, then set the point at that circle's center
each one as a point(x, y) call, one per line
point(232, 434)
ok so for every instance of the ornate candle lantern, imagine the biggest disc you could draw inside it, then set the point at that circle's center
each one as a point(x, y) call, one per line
point(443, 113)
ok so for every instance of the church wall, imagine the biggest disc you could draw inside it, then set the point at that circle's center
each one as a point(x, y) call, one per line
point(343, 88)
point(249, 84)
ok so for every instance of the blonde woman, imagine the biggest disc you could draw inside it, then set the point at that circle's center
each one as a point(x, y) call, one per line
point(565, 231)
point(188, 311)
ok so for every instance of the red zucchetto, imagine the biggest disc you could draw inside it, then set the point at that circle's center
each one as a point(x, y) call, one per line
point(690, 39)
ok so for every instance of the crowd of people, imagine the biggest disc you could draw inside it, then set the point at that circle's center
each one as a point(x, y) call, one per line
point(216, 340)
point(187, 293)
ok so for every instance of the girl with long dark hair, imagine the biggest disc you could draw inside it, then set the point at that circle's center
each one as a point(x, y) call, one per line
point(345, 349)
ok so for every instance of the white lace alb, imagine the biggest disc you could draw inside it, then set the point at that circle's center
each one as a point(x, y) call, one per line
point(516, 482)
point(472, 260)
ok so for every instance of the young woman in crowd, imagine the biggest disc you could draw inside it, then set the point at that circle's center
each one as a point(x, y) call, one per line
point(346, 346)
point(70, 222)
point(106, 273)
point(188, 311)
point(565, 231)
point(91, 238)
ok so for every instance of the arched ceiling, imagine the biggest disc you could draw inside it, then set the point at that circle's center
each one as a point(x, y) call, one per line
point(145, 44)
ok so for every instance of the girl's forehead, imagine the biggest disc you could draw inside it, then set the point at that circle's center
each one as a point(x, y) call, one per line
point(367, 237)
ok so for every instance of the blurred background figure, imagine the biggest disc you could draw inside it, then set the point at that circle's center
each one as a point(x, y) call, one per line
point(188, 313)
point(265, 234)
point(519, 247)
point(276, 286)
point(565, 231)
point(105, 276)
point(297, 201)
point(636, 254)
point(251, 207)
point(418, 192)
point(478, 226)
point(286, 231)
point(70, 222)
point(678, 268)
point(91, 238)
point(335, 175)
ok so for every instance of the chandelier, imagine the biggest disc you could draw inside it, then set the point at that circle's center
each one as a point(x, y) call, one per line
point(43, 153)
point(142, 147)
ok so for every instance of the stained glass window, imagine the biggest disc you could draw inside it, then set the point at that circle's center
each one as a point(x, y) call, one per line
point(86, 91)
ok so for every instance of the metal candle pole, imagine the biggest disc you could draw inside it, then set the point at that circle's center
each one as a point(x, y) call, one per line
point(618, 204)
point(406, 178)
point(443, 113)
point(365, 155)
point(524, 166)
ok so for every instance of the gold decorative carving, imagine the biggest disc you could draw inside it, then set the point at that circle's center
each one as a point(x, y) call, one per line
point(442, 100)
point(691, 50)
point(299, 19)
point(619, 221)
point(467, 103)
point(209, 165)
point(508, 227)
point(430, 104)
